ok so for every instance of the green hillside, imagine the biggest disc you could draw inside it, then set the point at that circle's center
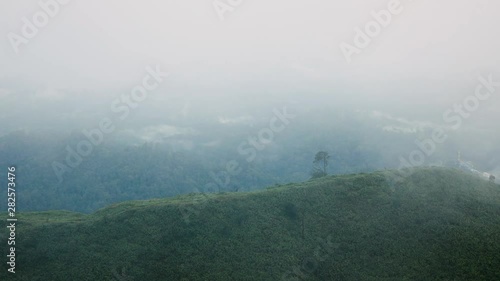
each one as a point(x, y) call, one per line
point(435, 224)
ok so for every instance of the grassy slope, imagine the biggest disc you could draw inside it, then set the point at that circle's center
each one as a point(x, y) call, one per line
point(437, 224)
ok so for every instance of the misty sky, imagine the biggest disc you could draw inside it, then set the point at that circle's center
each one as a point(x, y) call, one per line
point(428, 58)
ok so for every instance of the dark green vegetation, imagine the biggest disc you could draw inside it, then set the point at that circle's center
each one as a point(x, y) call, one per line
point(436, 224)
point(117, 172)
point(127, 167)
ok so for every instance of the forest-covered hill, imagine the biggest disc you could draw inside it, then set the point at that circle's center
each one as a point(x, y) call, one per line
point(132, 165)
point(431, 224)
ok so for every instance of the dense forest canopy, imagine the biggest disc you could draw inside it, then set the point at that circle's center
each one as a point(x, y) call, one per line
point(156, 162)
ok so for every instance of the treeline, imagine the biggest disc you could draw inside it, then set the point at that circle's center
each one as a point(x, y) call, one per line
point(117, 172)
point(122, 169)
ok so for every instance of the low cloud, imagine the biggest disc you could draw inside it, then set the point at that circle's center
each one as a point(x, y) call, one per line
point(50, 94)
point(402, 125)
point(162, 132)
point(236, 120)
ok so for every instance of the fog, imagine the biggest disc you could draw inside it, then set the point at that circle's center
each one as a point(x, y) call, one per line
point(217, 71)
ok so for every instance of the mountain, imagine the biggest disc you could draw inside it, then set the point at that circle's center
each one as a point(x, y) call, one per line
point(430, 224)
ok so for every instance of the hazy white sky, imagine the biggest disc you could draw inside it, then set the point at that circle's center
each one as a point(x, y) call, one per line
point(431, 50)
